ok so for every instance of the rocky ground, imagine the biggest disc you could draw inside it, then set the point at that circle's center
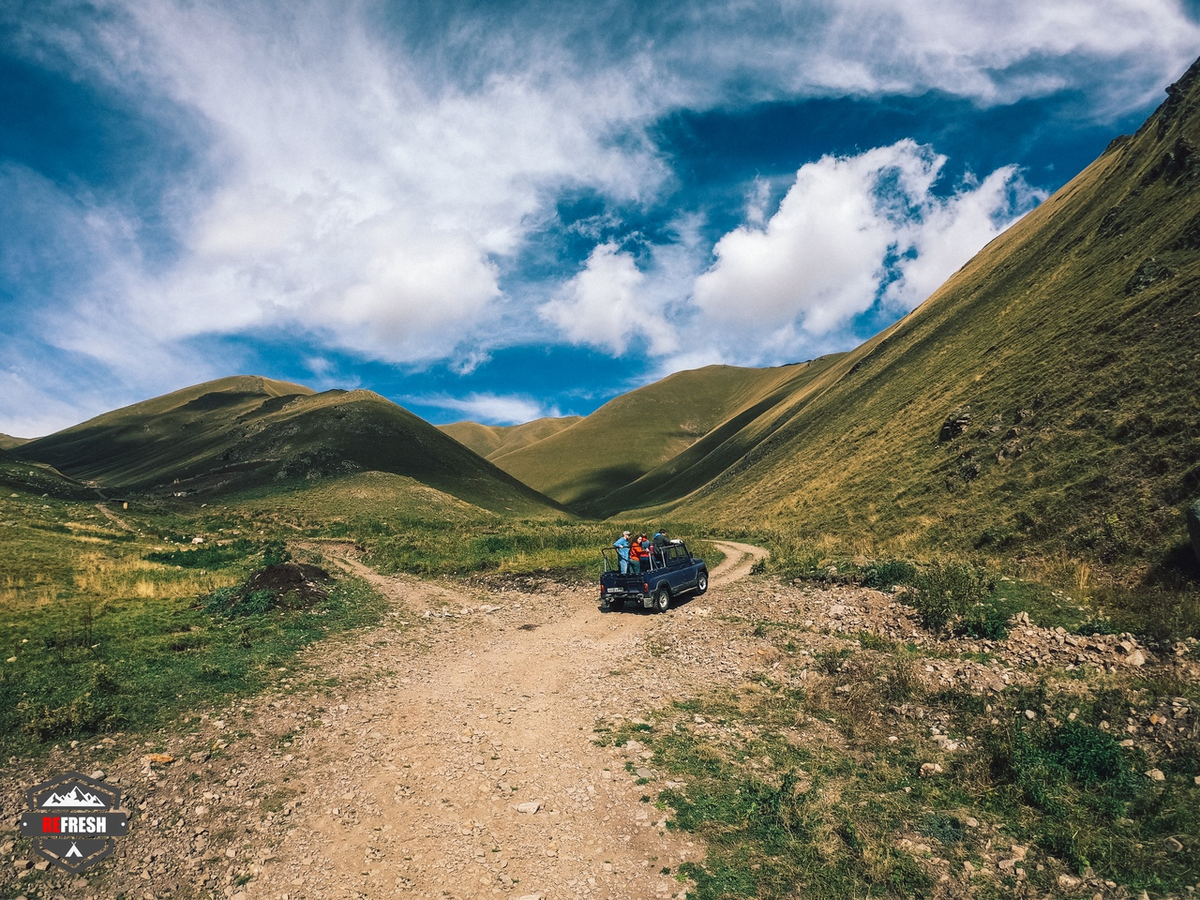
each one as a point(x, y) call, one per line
point(451, 752)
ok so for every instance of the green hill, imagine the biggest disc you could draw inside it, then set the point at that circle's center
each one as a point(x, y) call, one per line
point(636, 433)
point(248, 432)
point(493, 440)
point(1044, 398)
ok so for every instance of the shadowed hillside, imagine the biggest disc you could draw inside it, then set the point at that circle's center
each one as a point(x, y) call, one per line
point(1045, 396)
point(637, 432)
point(20, 476)
point(245, 432)
point(493, 440)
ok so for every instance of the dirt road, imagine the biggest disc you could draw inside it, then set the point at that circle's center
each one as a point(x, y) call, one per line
point(451, 752)
point(738, 562)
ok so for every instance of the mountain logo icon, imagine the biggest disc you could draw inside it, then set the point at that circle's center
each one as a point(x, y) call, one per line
point(74, 799)
point(73, 820)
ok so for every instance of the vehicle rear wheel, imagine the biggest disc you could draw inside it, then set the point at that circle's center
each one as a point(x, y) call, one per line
point(662, 600)
point(701, 582)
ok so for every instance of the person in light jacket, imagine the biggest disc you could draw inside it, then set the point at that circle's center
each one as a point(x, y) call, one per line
point(622, 545)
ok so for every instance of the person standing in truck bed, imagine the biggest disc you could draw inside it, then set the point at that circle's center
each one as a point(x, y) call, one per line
point(622, 545)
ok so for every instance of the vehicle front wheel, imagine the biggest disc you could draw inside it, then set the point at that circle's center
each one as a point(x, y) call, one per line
point(662, 600)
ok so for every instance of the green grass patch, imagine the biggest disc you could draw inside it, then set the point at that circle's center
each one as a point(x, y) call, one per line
point(151, 660)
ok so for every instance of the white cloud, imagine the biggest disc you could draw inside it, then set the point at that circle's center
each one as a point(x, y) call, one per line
point(851, 231)
point(355, 197)
point(493, 409)
point(600, 305)
point(366, 184)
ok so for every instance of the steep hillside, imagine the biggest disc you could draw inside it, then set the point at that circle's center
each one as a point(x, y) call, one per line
point(1045, 396)
point(8, 442)
point(246, 432)
point(637, 432)
point(493, 440)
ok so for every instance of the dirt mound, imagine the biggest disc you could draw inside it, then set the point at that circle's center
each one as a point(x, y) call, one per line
point(287, 578)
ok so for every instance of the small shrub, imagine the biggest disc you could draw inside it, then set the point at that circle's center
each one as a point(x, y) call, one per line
point(888, 573)
point(276, 553)
point(946, 829)
point(943, 593)
point(985, 622)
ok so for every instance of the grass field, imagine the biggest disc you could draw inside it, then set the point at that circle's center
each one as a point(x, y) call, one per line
point(107, 626)
point(815, 782)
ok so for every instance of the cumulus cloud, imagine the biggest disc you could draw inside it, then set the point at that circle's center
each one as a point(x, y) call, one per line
point(851, 232)
point(604, 305)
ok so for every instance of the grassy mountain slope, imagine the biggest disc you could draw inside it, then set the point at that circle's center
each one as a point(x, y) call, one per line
point(1068, 354)
point(493, 440)
point(246, 432)
point(635, 433)
point(20, 476)
point(8, 442)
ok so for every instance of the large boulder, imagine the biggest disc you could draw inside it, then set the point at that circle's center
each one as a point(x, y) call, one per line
point(1193, 522)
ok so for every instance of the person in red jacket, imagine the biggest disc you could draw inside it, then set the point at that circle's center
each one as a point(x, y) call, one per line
point(647, 559)
point(638, 557)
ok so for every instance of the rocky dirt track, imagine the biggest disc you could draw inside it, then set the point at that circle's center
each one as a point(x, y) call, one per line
point(450, 753)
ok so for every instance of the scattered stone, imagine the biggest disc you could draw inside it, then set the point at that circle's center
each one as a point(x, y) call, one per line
point(930, 768)
point(956, 423)
point(529, 808)
point(1156, 775)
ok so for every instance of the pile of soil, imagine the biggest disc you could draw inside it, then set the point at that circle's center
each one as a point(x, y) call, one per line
point(300, 579)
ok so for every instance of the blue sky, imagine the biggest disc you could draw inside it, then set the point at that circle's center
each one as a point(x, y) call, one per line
point(499, 211)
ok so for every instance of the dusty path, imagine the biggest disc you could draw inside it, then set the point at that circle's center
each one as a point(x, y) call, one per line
point(738, 562)
point(474, 773)
point(113, 517)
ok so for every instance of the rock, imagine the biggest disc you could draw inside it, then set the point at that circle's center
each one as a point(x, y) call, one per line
point(1156, 775)
point(956, 423)
point(1136, 658)
point(1193, 526)
point(528, 808)
point(930, 768)
point(1030, 714)
point(1067, 882)
point(1174, 845)
point(1148, 274)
